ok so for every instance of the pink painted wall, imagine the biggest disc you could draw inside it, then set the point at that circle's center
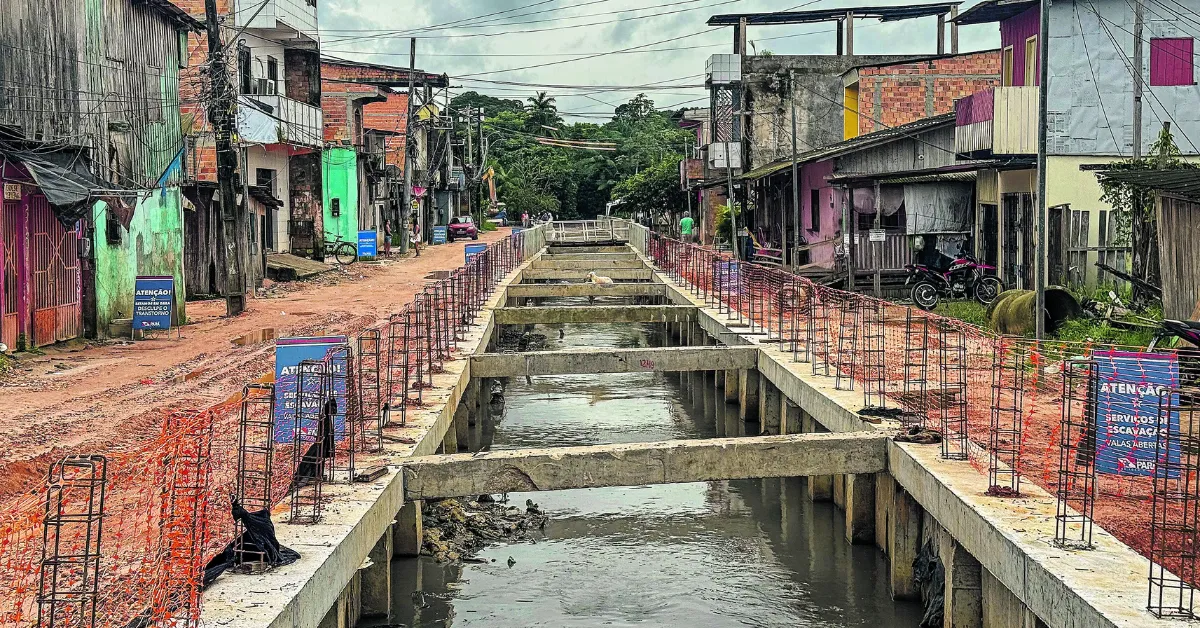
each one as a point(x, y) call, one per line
point(1171, 61)
point(978, 107)
point(1013, 32)
point(812, 177)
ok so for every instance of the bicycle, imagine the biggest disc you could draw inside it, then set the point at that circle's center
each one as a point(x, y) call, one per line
point(345, 253)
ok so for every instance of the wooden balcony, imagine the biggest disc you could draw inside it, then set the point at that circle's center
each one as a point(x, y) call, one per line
point(997, 122)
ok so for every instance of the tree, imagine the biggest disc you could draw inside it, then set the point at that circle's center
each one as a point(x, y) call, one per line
point(637, 110)
point(542, 110)
point(654, 190)
point(1136, 220)
point(574, 182)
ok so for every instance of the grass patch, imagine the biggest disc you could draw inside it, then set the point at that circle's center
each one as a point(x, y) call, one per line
point(6, 364)
point(970, 311)
point(487, 225)
point(1096, 330)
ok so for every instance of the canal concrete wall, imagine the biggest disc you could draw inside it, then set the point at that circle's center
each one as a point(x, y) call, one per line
point(1001, 569)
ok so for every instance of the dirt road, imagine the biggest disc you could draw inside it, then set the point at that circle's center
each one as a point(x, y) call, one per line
point(107, 396)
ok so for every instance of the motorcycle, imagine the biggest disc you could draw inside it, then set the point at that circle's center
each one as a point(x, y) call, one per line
point(1188, 331)
point(963, 277)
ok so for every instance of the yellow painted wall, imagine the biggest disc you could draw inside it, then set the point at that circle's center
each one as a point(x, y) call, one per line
point(850, 112)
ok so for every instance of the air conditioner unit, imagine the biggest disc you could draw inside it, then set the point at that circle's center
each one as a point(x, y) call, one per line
point(264, 87)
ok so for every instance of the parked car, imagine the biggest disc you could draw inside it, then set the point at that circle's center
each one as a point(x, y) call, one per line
point(462, 227)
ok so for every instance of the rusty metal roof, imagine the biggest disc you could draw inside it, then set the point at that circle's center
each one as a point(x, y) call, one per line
point(990, 11)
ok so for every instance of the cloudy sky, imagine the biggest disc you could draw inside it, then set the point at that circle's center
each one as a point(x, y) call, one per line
point(665, 41)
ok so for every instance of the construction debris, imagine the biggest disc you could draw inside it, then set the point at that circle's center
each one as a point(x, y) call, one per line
point(457, 529)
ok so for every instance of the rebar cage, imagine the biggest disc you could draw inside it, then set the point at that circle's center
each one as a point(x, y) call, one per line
point(1174, 529)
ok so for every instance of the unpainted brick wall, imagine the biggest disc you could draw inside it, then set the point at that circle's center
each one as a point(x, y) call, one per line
point(892, 95)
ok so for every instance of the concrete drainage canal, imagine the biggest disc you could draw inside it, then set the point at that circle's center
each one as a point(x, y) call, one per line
point(755, 552)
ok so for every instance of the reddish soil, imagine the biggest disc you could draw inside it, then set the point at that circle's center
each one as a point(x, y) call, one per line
point(109, 396)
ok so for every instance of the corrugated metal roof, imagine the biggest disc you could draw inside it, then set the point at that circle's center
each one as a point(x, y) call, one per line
point(970, 175)
point(173, 13)
point(1181, 181)
point(993, 11)
point(857, 143)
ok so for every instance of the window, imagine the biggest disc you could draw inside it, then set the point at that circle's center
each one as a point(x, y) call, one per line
point(112, 226)
point(273, 75)
point(1171, 61)
point(1031, 61)
point(814, 210)
point(1006, 67)
point(265, 178)
point(183, 49)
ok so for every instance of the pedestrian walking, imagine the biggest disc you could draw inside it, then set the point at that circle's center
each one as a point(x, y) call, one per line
point(686, 225)
point(414, 235)
point(525, 219)
point(387, 238)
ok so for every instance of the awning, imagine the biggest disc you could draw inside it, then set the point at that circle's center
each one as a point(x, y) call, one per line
point(263, 195)
point(70, 187)
point(766, 170)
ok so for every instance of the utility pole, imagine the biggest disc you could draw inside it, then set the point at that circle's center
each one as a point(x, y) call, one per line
point(427, 178)
point(1139, 25)
point(795, 174)
point(1039, 256)
point(469, 169)
point(732, 206)
point(410, 150)
point(221, 115)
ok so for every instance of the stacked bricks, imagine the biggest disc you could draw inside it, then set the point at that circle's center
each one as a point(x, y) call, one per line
point(891, 95)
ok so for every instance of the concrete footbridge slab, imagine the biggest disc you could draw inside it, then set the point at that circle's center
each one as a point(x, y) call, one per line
point(616, 274)
point(578, 290)
point(636, 464)
point(595, 314)
point(587, 361)
point(599, 266)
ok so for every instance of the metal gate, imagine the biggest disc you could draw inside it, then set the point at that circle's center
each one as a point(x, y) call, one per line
point(10, 258)
point(42, 291)
point(54, 261)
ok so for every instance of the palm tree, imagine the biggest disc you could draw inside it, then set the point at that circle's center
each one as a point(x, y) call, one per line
point(542, 110)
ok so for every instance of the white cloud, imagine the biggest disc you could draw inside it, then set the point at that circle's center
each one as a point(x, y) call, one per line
point(357, 29)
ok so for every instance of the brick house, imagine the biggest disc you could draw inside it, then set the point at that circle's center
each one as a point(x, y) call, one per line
point(366, 108)
point(274, 66)
point(885, 95)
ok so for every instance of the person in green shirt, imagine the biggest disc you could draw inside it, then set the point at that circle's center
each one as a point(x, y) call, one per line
point(686, 225)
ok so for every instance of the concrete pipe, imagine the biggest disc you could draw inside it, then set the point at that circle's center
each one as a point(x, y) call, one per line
point(1013, 311)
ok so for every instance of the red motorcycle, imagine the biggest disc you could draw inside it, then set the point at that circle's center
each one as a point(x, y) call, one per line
point(952, 278)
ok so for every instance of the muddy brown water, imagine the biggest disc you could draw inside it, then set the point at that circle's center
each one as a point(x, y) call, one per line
point(737, 553)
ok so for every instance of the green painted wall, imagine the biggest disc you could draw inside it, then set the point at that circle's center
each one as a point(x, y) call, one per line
point(339, 179)
point(153, 245)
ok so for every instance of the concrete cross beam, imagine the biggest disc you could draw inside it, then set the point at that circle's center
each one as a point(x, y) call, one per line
point(557, 249)
point(616, 274)
point(564, 290)
point(636, 464)
point(599, 266)
point(629, 255)
point(613, 361)
point(594, 314)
